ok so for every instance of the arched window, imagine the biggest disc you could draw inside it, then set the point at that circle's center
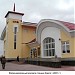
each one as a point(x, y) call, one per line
point(49, 46)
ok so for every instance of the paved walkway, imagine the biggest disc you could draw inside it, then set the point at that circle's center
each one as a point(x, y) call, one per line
point(28, 67)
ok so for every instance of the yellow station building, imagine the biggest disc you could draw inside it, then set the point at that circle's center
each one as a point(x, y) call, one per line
point(46, 39)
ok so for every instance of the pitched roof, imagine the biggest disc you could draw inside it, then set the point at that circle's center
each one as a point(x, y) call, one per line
point(34, 40)
point(69, 25)
point(29, 24)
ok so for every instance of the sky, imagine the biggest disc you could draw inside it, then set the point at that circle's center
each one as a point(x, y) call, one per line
point(35, 10)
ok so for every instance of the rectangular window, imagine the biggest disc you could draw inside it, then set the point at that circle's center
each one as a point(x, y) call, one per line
point(15, 30)
point(65, 47)
point(14, 41)
point(14, 38)
point(14, 45)
point(15, 35)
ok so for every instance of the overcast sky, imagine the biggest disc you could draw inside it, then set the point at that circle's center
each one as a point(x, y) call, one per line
point(35, 10)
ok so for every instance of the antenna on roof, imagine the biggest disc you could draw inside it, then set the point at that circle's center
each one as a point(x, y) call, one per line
point(14, 7)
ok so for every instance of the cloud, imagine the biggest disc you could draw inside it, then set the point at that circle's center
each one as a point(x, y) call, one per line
point(51, 9)
point(65, 4)
point(36, 10)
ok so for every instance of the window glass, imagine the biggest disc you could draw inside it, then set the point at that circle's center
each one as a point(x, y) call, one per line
point(14, 37)
point(46, 46)
point(15, 30)
point(45, 54)
point(65, 47)
point(67, 42)
point(14, 45)
point(46, 40)
point(53, 45)
point(53, 52)
point(52, 40)
point(49, 52)
point(49, 46)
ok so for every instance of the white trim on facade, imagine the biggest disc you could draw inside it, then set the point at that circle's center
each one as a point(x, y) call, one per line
point(72, 31)
point(50, 23)
point(55, 34)
point(14, 16)
point(50, 20)
point(15, 26)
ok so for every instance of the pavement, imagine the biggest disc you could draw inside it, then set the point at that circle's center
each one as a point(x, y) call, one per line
point(15, 66)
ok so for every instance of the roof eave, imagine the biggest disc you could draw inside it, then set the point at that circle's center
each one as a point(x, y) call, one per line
point(14, 13)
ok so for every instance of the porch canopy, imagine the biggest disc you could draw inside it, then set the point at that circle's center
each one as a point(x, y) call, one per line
point(33, 44)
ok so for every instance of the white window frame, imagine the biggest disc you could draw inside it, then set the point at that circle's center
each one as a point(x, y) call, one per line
point(14, 27)
point(47, 48)
point(15, 34)
point(64, 46)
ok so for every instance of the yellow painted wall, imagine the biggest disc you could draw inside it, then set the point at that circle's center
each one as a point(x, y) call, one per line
point(24, 36)
point(66, 37)
point(10, 52)
point(25, 51)
point(28, 36)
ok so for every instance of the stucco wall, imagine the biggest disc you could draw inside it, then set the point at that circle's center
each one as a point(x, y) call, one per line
point(54, 33)
point(28, 35)
point(65, 37)
point(10, 52)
